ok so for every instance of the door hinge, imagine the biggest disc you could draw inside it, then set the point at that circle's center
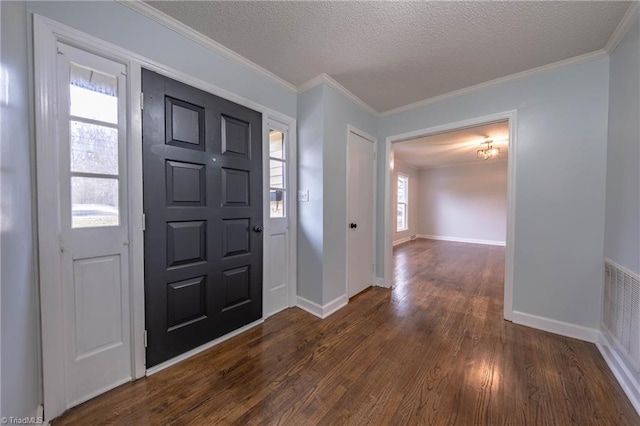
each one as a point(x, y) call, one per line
point(144, 336)
point(144, 222)
point(141, 101)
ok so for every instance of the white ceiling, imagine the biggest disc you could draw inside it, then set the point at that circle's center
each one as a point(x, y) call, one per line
point(452, 148)
point(391, 54)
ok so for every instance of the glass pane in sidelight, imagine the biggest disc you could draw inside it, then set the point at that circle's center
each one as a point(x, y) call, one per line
point(94, 148)
point(276, 144)
point(93, 95)
point(276, 174)
point(276, 201)
point(94, 202)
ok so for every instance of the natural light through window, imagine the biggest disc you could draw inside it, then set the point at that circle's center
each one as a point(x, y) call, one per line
point(402, 202)
point(277, 166)
point(93, 138)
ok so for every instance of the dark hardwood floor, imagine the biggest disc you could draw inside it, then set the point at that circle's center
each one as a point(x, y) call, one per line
point(433, 350)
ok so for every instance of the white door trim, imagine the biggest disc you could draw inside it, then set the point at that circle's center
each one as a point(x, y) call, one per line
point(511, 117)
point(288, 127)
point(46, 34)
point(374, 141)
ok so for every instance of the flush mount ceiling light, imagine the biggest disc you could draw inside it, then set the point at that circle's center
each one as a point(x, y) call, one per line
point(489, 151)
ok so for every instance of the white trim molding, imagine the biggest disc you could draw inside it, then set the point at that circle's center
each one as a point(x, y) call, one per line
point(403, 240)
point(326, 79)
point(528, 73)
point(511, 117)
point(556, 327)
point(462, 240)
point(627, 379)
point(625, 24)
point(325, 310)
point(208, 345)
point(380, 282)
point(197, 37)
point(204, 41)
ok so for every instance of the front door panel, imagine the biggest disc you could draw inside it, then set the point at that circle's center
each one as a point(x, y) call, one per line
point(202, 160)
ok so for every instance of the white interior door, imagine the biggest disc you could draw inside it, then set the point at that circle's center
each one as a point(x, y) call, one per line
point(360, 202)
point(276, 288)
point(94, 246)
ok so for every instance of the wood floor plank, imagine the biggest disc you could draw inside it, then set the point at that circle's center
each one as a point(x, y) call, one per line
point(432, 350)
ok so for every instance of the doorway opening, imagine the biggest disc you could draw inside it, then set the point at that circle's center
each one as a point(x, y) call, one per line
point(452, 186)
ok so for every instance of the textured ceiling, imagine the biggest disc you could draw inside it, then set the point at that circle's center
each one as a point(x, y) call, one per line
point(451, 148)
point(394, 53)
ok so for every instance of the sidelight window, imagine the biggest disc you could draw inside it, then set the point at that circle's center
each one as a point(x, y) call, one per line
point(402, 203)
point(277, 177)
point(94, 133)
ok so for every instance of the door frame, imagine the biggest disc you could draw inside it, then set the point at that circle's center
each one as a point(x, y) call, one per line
point(46, 34)
point(291, 205)
point(509, 116)
point(374, 141)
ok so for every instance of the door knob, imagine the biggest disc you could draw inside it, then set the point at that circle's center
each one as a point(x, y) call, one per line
point(353, 225)
point(258, 228)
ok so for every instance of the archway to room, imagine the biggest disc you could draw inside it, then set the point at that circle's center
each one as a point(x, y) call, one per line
point(449, 214)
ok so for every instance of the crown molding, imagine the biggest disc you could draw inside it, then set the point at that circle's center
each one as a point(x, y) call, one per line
point(326, 79)
point(182, 29)
point(528, 73)
point(625, 24)
point(310, 84)
point(199, 38)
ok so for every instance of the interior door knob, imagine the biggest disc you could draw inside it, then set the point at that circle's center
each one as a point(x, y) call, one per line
point(258, 228)
point(353, 225)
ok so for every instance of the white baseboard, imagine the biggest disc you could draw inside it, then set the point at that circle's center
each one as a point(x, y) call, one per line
point(380, 283)
point(628, 380)
point(307, 305)
point(557, 327)
point(192, 352)
point(401, 241)
point(334, 305)
point(325, 310)
point(462, 240)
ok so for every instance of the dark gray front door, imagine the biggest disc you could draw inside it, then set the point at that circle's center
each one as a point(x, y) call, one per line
point(202, 158)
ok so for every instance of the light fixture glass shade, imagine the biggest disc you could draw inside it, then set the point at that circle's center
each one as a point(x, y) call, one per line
point(488, 152)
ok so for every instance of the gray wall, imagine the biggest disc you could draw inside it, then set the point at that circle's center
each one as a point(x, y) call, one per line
point(622, 218)
point(560, 182)
point(414, 198)
point(310, 173)
point(467, 201)
point(122, 26)
point(323, 119)
point(19, 308)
